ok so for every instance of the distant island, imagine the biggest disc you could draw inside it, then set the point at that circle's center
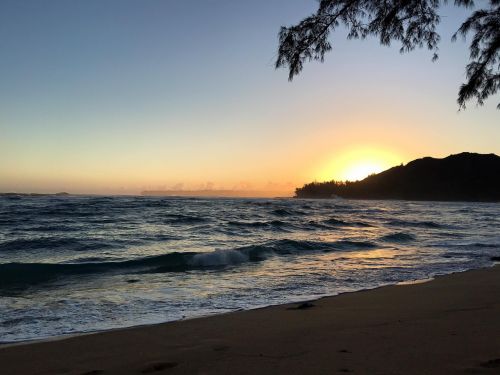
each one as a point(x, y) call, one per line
point(227, 193)
point(12, 194)
point(461, 177)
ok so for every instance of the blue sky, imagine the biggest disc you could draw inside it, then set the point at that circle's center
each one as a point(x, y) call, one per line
point(120, 96)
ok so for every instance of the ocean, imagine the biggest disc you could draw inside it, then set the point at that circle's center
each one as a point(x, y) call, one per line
point(74, 264)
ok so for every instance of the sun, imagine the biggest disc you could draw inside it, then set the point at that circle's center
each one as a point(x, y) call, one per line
point(361, 170)
point(357, 163)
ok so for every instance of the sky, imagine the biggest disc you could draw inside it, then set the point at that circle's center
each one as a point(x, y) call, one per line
point(121, 96)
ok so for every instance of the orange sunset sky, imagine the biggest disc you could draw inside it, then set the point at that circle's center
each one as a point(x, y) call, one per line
point(116, 100)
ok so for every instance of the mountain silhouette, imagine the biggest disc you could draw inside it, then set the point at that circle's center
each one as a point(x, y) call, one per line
point(461, 177)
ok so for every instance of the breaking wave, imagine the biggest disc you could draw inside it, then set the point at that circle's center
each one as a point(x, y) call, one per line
point(27, 274)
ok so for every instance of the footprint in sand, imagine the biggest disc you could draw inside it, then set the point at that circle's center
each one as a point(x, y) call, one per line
point(302, 306)
point(492, 363)
point(159, 366)
point(485, 367)
point(220, 348)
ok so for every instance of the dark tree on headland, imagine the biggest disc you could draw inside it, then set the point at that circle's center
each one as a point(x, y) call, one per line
point(461, 177)
point(410, 22)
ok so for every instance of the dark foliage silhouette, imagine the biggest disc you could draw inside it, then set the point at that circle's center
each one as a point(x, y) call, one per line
point(410, 22)
point(461, 177)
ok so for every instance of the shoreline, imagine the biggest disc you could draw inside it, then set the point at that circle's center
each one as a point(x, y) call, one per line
point(440, 326)
point(298, 302)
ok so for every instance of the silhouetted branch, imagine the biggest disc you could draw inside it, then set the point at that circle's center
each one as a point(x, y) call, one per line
point(412, 23)
point(483, 71)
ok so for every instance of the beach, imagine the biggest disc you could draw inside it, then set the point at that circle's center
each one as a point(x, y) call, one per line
point(448, 325)
point(225, 199)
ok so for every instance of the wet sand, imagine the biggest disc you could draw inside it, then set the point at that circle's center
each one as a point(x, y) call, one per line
point(450, 325)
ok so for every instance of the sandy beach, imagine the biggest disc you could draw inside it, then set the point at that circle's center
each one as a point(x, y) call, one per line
point(449, 325)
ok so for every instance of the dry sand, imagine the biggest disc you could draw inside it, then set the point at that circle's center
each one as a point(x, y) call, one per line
point(450, 325)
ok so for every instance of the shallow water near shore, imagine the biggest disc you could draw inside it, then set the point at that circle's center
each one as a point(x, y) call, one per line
point(80, 264)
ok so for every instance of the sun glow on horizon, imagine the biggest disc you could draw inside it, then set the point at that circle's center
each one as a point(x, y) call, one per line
point(356, 164)
point(361, 170)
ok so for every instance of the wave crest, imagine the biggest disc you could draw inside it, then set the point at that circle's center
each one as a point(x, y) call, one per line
point(28, 274)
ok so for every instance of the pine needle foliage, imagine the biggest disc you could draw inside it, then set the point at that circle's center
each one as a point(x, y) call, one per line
point(412, 24)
